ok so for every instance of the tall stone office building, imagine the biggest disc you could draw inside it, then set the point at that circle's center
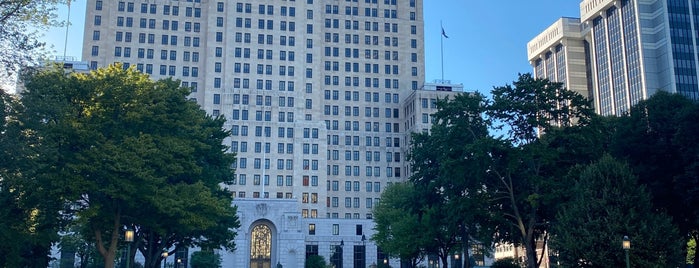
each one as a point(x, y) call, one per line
point(633, 49)
point(314, 93)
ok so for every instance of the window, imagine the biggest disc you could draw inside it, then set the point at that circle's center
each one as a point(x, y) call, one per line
point(311, 229)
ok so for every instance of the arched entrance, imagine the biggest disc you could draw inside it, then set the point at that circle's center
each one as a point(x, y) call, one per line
point(261, 246)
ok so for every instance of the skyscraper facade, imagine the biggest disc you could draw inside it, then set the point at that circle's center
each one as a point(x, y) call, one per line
point(314, 93)
point(558, 54)
point(634, 48)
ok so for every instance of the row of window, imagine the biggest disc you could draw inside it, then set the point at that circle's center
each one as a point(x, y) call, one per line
point(351, 202)
point(146, 23)
point(164, 70)
point(369, 171)
point(313, 214)
point(280, 195)
point(257, 164)
point(259, 130)
point(354, 111)
point(164, 55)
point(313, 198)
point(368, 53)
point(282, 117)
point(390, 171)
point(368, 82)
point(334, 125)
point(354, 186)
point(260, 84)
point(261, 9)
point(374, 156)
point(165, 39)
point(368, 67)
point(153, 9)
point(288, 164)
point(241, 179)
point(261, 54)
point(354, 96)
point(369, 141)
point(368, 11)
point(282, 148)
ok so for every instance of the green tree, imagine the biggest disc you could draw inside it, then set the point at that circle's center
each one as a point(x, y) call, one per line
point(608, 203)
point(20, 21)
point(659, 138)
point(128, 152)
point(396, 223)
point(205, 259)
point(691, 250)
point(528, 164)
point(315, 261)
point(448, 176)
point(73, 240)
point(29, 211)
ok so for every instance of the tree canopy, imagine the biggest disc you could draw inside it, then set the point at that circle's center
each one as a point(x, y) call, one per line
point(502, 167)
point(128, 152)
point(19, 22)
point(29, 214)
point(396, 223)
point(607, 203)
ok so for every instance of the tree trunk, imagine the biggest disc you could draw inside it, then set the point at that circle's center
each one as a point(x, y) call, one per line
point(530, 248)
point(445, 260)
point(466, 245)
point(109, 254)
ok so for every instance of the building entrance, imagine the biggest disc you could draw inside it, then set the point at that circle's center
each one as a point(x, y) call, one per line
point(261, 247)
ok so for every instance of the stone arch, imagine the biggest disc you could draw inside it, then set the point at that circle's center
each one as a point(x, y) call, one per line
point(263, 244)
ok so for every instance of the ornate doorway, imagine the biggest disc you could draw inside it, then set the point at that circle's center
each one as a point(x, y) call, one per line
point(261, 247)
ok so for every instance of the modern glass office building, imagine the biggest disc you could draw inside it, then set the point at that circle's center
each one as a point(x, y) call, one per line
point(634, 48)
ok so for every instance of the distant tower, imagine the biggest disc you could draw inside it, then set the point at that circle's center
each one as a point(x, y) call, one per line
point(558, 54)
point(633, 49)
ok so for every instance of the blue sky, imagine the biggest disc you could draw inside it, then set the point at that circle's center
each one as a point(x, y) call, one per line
point(486, 45)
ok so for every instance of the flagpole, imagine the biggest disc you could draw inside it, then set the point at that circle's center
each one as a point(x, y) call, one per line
point(65, 44)
point(441, 47)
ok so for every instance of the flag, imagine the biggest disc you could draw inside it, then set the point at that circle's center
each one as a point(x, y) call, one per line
point(444, 33)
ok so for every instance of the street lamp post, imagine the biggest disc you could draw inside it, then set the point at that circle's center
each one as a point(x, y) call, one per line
point(363, 265)
point(626, 245)
point(128, 237)
point(456, 258)
point(164, 257)
point(339, 254)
